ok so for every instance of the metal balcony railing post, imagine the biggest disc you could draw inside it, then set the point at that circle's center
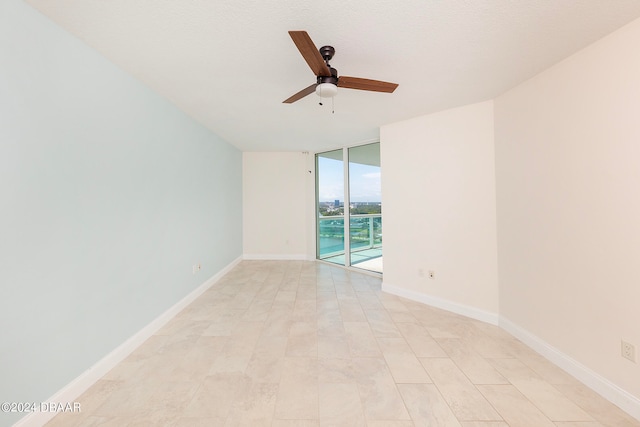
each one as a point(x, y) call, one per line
point(370, 219)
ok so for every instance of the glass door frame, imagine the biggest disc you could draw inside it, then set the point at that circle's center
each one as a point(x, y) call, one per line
point(346, 211)
point(345, 215)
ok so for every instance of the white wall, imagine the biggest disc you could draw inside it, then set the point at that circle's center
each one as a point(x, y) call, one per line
point(568, 205)
point(108, 195)
point(278, 205)
point(438, 205)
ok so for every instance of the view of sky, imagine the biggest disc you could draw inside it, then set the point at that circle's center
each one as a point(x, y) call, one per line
point(364, 181)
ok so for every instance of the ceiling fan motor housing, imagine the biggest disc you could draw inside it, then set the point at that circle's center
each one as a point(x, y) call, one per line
point(333, 78)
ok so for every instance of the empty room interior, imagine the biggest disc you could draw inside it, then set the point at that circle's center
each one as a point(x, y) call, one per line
point(452, 239)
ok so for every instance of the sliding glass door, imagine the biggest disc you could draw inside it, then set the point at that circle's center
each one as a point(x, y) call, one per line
point(330, 190)
point(365, 223)
point(349, 209)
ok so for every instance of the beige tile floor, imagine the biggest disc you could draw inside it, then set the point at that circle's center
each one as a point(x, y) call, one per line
point(304, 344)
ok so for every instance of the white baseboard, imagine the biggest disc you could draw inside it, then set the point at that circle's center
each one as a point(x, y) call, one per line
point(75, 388)
point(454, 307)
point(623, 399)
point(610, 391)
point(277, 257)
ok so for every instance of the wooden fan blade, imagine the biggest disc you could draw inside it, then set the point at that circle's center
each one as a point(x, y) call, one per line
point(366, 84)
point(310, 53)
point(304, 92)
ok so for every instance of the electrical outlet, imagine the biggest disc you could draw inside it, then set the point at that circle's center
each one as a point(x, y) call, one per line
point(432, 274)
point(195, 268)
point(628, 351)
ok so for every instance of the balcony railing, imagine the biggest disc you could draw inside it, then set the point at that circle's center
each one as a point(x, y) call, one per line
point(365, 231)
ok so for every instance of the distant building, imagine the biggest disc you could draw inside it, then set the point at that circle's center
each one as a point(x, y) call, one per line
point(336, 203)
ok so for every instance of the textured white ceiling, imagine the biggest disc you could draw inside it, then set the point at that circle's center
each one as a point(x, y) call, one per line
point(231, 63)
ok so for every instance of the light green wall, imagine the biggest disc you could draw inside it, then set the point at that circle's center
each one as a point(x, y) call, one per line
point(108, 195)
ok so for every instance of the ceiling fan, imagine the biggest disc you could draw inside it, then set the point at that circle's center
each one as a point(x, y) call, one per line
point(328, 81)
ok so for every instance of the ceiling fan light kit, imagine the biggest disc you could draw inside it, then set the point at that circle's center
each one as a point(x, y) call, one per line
point(328, 81)
point(326, 90)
